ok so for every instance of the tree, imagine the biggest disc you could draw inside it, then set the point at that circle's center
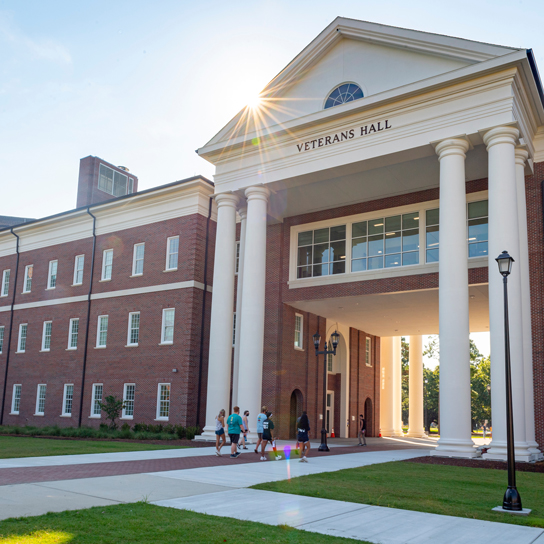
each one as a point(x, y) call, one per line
point(405, 355)
point(112, 407)
point(431, 393)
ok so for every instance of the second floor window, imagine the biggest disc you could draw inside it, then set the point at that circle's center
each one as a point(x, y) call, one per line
point(52, 276)
point(73, 334)
point(21, 345)
point(133, 328)
point(321, 252)
point(107, 264)
point(167, 336)
point(102, 333)
point(298, 331)
point(172, 249)
point(27, 285)
point(138, 260)
point(46, 336)
point(78, 269)
point(5, 283)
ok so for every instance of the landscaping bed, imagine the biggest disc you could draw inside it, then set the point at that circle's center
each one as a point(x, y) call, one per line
point(477, 463)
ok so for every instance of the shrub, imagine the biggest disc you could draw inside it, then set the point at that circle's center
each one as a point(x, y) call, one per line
point(180, 431)
point(112, 407)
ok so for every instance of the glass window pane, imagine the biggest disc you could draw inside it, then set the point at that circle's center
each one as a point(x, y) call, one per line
point(432, 217)
point(477, 209)
point(392, 223)
point(410, 220)
point(304, 272)
point(358, 265)
point(375, 226)
point(375, 245)
point(358, 248)
point(338, 233)
point(410, 240)
point(392, 242)
point(305, 238)
point(477, 250)
point(375, 263)
point(432, 255)
point(321, 235)
point(321, 269)
point(392, 260)
point(411, 258)
point(338, 268)
point(338, 251)
point(433, 237)
point(304, 255)
point(321, 253)
point(477, 230)
point(358, 229)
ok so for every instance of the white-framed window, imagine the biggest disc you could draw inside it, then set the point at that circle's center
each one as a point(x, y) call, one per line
point(432, 235)
point(138, 259)
point(40, 400)
point(129, 393)
point(130, 186)
point(1, 339)
point(16, 398)
point(107, 264)
point(368, 352)
point(112, 182)
point(163, 401)
point(52, 275)
point(5, 283)
point(299, 322)
point(21, 344)
point(96, 410)
point(46, 335)
point(167, 332)
point(67, 399)
point(477, 228)
point(322, 252)
point(27, 282)
point(102, 331)
point(133, 336)
point(233, 329)
point(172, 250)
point(237, 258)
point(79, 263)
point(73, 333)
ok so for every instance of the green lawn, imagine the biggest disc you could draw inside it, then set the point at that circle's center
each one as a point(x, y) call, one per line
point(11, 446)
point(140, 522)
point(448, 490)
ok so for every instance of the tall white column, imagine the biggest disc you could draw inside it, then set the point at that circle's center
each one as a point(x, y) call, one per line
point(415, 426)
point(504, 235)
point(253, 302)
point(455, 400)
point(397, 387)
point(521, 155)
point(235, 371)
point(220, 353)
point(386, 386)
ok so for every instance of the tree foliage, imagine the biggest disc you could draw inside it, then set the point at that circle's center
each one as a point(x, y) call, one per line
point(112, 407)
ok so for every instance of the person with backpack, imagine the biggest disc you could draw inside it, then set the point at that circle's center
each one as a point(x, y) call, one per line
point(220, 438)
point(236, 426)
point(303, 438)
point(268, 426)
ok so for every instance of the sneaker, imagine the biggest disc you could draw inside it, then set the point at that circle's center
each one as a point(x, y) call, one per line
point(301, 460)
point(239, 446)
point(278, 457)
point(256, 451)
point(233, 456)
point(246, 448)
point(263, 458)
point(305, 459)
point(237, 454)
point(217, 453)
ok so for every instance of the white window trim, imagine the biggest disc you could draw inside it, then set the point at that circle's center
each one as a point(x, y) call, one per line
point(134, 251)
point(43, 335)
point(70, 348)
point(66, 414)
point(123, 415)
point(4, 273)
point(36, 412)
point(103, 277)
point(25, 279)
point(75, 270)
point(49, 275)
point(163, 341)
point(163, 418)
point(3, 329)
point(13, 412)
point(368, 343)
point(166, 268)
point(93, 415)
point(19, 350)
point(129, 343)
point(301, 347)
point(98, 345)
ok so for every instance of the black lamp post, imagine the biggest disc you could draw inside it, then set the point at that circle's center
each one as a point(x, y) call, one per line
point(334, 341)
point(512, 499)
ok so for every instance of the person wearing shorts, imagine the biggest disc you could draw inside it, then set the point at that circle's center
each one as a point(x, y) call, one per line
point(220, 438)
point(243, 437)
point(260, 418)
point(236, 426)
point(303, 428)
point(268, 426)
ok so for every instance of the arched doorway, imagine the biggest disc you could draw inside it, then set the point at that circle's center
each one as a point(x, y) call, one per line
point(368, 417)
point(295, 412)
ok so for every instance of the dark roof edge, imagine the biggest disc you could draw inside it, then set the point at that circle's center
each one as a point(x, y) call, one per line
point(536, 75)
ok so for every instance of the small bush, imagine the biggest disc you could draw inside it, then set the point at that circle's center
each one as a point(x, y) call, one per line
point(103, 427)
point(180, 431)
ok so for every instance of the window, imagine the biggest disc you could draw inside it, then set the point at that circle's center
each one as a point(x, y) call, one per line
point(5, 283)
point(40, 400)
point(102, 333)
point(52, 276)
point(344, 93)
point(172, 249)
point(321, 252)
point(16, 399)
point(130, 186)
point(46, 335)
point(237, 258)
point(233, 329)
point(112, 182)
point(96, 410)
point(432, 236)
point(477, 229)
point(167, 336)
point(133, 328)
point(385, 242)
point(1, 339)
point(73, 333)
point(163, 401)
point(67, 399)
point(107, 264)
point(27, 282)
point(128, 400)
point(329, 357)
point(299, 319)
point(21, 345)
point(78, 269)
point(368, 359)
point(138, 260)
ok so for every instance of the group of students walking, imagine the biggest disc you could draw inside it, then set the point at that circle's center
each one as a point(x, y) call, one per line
point(238, 429)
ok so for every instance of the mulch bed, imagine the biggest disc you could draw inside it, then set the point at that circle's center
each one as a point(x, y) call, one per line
point(477, 463)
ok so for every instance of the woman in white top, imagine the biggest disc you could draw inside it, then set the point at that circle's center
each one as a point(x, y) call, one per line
point(220, 438)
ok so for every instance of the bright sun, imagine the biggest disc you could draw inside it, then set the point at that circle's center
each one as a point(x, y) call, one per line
point(254, 101)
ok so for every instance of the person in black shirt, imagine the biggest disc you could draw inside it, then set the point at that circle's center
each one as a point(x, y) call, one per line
point(362, 430)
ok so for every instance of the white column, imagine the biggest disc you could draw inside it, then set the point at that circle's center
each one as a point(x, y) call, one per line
point(220, 353)
point(253, 302)
point(521, 155)
point(397, 387)
point(235, 370)
point(386, 386)
point(504, 235)
point(415, 427)
point(455, 400)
